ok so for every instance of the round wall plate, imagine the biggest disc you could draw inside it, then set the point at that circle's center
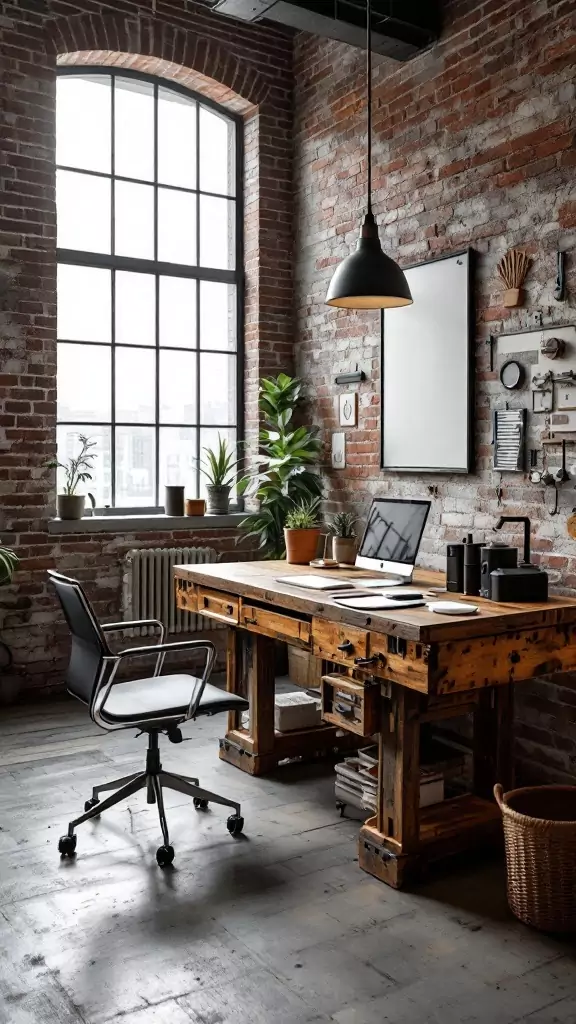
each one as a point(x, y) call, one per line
point(512, 375)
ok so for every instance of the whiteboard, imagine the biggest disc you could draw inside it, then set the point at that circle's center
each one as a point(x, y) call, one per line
point(427, 371)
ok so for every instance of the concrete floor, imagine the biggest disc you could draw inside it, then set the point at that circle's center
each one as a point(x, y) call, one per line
point(280, 927)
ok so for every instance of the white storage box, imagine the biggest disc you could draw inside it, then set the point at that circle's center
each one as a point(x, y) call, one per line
point(296, 711)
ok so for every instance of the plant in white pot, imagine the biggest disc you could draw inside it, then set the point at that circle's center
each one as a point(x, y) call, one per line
point(220, 469)
point(77, 470)
point(302, 531)
point(343, 537)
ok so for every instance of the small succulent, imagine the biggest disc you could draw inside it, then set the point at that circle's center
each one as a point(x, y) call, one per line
point(219, 466)
point(304, 516)
point(342, 525)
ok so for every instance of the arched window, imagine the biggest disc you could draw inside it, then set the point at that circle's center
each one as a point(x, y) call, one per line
point(149, 211)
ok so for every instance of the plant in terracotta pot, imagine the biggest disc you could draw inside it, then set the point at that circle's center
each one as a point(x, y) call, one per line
point(343, 537)
point(219, 466)
point(301, 532)
point(286, 470)
point(77, 470)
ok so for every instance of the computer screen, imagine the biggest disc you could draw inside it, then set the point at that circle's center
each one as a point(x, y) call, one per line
point(394, 530)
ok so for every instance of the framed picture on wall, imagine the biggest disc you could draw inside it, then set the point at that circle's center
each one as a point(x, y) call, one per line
point(427, 371)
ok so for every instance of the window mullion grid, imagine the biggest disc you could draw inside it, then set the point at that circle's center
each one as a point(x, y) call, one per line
point(196, 272)
point(113, 294)
point(157, 292)
point(198, 300)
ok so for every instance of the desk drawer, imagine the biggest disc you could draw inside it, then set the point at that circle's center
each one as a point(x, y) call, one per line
point(186, 595)
point(269, 623)
point(350, 704)
point(333, 641)
point(215, 605)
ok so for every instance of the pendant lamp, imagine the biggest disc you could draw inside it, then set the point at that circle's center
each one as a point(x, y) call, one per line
point(368, 278)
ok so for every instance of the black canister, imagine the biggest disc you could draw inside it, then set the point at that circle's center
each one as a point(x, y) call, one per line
point(455, 568)
point(492, 557)
point(472, 566)
point(174, 500)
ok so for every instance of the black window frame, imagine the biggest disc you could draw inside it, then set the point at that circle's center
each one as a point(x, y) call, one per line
point(157, 268)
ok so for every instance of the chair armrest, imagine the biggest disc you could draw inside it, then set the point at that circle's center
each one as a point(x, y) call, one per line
point(118, 627)
point(163, 648)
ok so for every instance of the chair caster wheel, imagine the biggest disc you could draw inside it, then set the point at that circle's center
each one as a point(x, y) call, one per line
point(165, 856)
point(92, 803)
point(235, 824)
point(200, 804)
point(67, 846)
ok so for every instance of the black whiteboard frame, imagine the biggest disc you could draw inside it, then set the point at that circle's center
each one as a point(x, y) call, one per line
point(470, 363)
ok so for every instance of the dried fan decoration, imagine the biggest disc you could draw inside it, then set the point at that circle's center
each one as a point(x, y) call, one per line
point(513, 268)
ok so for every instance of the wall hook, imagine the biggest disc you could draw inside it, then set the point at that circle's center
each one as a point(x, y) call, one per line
point(554, 511)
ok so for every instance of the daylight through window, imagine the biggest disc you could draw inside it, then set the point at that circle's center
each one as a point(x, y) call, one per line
point(149, 281)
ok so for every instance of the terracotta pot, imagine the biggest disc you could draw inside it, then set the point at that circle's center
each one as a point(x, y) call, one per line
point(344, 549)
point(70, 506)
point(218, 501)
point(301, 545)
point(195, 506)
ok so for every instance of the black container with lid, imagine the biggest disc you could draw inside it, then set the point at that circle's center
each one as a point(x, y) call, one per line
point(455, 568)
point(495, 556)
point(472, 566)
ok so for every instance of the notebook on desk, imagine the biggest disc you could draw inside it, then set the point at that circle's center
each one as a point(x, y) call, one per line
point(311, 582)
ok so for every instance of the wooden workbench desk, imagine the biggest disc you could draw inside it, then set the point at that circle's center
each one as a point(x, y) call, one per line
point(399, 669)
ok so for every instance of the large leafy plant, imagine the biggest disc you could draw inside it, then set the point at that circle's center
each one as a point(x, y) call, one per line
point(287, 459)
point(8, 563)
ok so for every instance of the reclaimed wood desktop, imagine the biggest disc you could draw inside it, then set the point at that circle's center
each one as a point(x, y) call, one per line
point(402, 668)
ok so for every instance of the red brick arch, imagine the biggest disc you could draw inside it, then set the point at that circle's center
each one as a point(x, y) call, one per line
point(160, 48)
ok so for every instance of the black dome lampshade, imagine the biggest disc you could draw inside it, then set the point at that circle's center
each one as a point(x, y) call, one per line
point(368, 278)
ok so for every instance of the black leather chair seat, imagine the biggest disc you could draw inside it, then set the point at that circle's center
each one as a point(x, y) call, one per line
point(161, 696)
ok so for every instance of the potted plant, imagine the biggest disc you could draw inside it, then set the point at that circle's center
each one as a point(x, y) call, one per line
point(8, 689)
point(301, 532)
point(343, 537)
point(8, 563)
point(219, 468)
point(77, 470)
point(288, 456)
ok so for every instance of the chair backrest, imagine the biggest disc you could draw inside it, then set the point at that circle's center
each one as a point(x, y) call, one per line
point(89, 646)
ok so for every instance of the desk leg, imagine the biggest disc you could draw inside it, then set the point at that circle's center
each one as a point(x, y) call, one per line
point(493, 740)
point(234, 675)
point(388, 843)
point(250, 665)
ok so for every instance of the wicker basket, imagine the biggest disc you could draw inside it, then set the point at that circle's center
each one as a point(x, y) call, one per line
point(540, 838)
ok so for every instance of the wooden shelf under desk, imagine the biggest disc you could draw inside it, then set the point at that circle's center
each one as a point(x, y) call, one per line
point(445, 829)
point(449, 818)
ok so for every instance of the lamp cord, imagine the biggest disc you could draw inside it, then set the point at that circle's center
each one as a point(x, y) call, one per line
point(369, 99)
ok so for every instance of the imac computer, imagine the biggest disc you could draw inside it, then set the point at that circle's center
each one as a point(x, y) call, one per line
point(392, 537)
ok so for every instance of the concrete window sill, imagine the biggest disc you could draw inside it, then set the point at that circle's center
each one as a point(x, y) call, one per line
point(139, 524)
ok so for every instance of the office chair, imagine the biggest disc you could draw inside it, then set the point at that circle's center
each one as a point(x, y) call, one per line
point(153, 705)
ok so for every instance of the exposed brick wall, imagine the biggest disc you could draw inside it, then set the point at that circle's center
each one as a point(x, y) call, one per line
point(474, 145)
point(246, 68)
